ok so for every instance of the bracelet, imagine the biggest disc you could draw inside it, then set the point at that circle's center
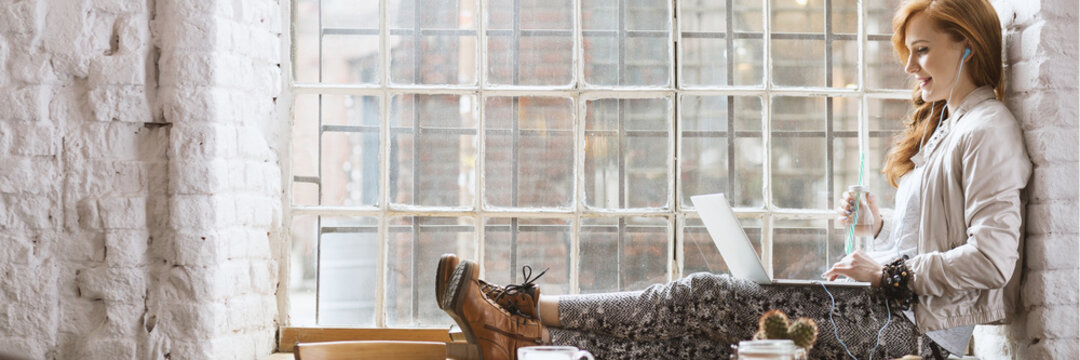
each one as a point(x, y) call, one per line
point(894, 281)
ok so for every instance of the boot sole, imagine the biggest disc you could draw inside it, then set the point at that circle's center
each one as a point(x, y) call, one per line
point(442, 272)
point(454, 300)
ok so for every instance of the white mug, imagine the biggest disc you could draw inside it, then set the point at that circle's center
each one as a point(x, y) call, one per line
point(769, 350)
point(552, 353)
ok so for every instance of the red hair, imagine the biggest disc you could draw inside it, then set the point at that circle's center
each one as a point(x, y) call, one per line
point(972, 20)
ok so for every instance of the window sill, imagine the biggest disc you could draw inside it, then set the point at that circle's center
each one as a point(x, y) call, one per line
point(292, 335)
point(279, 356)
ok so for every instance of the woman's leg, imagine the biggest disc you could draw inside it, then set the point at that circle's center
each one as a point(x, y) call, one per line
point(725, 310)
point(548, 309)
point(695, 305)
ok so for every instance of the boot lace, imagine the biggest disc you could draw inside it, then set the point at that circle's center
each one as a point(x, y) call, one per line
point(497, 293)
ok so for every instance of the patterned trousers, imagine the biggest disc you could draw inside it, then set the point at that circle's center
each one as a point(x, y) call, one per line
point(702, 315)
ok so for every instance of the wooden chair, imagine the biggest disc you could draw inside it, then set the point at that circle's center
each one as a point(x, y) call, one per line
point(381, 349)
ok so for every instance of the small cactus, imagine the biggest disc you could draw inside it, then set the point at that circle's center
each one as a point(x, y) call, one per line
point(803, 332)
point(774, 324)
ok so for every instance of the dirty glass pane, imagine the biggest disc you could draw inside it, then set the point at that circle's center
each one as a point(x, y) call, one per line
point(624, 253)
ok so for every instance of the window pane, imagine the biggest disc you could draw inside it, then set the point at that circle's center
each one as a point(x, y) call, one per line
point(350, 150)
point(627, 153)
point(530, 44)
point(351, 59)
point(800, 248)
point(305, 36)
point(799, 153)
point(884, 70)
point(700, 253)
point(845, 64)
point(350, 43)
point(886, 121)
point(621, 254)
point(627, 42)
point(845, 16)
point(347, 267)
point(879, 16)
point(715, 151)
point(432, 150)
point(511, 243)
point(705, 44)
point(303, 257)
point(529, 156)
point(845, 151)
point(798, 62)
point(414, 244)
point(433, 41)
point(798, 16)
point(305, 151)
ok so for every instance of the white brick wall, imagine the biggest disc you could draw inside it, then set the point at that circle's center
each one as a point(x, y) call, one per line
point(1041, 52)
point(140, 188)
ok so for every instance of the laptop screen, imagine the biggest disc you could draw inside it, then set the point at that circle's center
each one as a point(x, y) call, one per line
point(729, 237)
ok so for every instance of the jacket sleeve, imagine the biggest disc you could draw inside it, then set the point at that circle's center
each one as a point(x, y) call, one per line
point(996, 168)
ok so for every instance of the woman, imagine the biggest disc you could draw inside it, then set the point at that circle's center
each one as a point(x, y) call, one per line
point(955, 243)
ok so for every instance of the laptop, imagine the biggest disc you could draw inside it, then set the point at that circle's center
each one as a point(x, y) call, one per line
point(735, 246)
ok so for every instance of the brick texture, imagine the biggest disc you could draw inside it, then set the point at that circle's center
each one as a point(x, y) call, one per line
point(140, 190)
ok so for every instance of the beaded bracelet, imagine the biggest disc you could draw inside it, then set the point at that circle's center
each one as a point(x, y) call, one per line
point(894, 281)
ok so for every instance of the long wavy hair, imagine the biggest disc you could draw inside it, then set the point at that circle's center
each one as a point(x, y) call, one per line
point(971, 20)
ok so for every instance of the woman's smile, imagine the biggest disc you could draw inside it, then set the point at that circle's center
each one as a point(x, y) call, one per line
point(923, 81)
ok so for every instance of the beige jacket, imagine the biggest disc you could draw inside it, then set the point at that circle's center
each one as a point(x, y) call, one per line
point(971, 222)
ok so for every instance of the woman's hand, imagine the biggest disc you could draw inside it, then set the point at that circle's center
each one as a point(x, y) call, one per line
point(847, 207)
point(857, 266)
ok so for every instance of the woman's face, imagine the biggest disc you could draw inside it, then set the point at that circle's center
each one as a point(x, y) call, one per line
point(934, 58)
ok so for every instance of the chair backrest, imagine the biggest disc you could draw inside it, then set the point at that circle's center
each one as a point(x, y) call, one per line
point(382, 349)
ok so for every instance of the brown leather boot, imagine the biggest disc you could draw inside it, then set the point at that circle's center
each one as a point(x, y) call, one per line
point(518, 299)
point(447, 264)
point(486, 324)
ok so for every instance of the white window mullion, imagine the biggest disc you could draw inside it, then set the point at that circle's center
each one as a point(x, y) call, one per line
point(864, 121)
point(766, 124)
point(318, 221)
point(481, 138)
point(680, 216)
point(481, 210)
point(673, 163)
point(579, 186)
point(680, 246)
point(577, 81)
point(382, 252)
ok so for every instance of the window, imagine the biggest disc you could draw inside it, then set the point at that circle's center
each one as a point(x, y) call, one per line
point(570, 135)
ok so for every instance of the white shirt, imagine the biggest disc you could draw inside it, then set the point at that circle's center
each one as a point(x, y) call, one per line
point(903, 239)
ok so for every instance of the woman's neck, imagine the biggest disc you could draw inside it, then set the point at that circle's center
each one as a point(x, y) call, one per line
point(959, 94)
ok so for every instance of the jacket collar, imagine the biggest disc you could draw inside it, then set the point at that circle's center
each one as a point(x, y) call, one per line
point(976, 96)
point(973, 98)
